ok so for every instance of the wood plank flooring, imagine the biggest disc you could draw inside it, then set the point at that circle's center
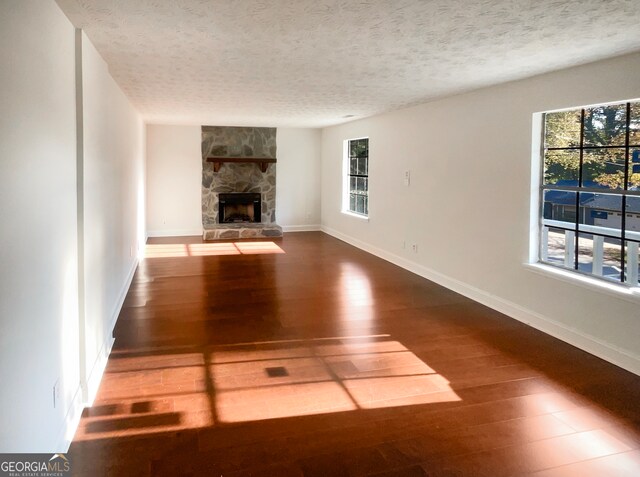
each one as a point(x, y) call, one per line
point(307, 357)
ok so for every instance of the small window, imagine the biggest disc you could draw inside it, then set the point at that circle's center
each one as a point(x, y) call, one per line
point(590, 191)
point(356, 179)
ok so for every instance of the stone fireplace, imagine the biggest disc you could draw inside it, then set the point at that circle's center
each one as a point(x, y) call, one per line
point(239, 182)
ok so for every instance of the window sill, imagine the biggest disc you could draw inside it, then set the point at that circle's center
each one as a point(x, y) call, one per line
point(619, 291)
point(357, 216)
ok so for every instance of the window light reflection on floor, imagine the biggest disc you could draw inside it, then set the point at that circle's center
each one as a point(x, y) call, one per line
point(322, 377)
point(257, 247)
point(211, 249)
point(355, 297)
point(202, 387)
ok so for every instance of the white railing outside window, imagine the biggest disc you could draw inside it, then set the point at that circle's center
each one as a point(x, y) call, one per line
point(598, 250)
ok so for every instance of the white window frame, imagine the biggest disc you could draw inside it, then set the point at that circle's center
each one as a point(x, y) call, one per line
point(346, 176)
point(535, 263)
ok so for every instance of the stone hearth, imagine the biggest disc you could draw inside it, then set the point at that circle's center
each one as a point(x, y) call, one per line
point(242, 231)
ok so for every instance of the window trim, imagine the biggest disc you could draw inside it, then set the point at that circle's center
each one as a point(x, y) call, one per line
point(345, 208)
point(583, 280)
point(535, 264)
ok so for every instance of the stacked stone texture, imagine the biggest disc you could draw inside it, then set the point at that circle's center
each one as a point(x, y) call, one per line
point(219, 141)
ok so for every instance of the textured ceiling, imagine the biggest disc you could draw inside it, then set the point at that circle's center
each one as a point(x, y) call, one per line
point(309, 63)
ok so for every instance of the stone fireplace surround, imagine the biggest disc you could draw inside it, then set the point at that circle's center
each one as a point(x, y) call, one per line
point(234, 142)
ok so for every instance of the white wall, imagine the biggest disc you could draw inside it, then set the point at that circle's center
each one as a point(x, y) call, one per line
point(39, 342)
point(174, 176)
point(298, 179)
point(468, 205)
point(72, 209)
point(113, 160)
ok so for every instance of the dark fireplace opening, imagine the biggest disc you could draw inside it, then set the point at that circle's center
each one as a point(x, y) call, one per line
point(239, 207)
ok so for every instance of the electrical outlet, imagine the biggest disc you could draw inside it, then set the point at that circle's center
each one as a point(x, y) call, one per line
point(407, 177)
point(414, 247)
point(56, 394)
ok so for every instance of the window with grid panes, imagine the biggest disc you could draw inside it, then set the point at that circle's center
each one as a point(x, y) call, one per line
point(357, 177)
point(590, 191)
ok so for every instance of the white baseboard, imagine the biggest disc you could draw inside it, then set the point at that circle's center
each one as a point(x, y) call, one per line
point(99, 365)
point(623, 358)
point(71, 422)
point(301, 228)
point(74, 413)
point(123, 294)
point(97, 370)
point(174, 233)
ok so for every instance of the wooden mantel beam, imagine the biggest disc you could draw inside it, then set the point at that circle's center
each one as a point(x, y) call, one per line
point(263, 161)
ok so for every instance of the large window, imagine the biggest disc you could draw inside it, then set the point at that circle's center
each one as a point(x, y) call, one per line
point(356, 186)
point(590, 191)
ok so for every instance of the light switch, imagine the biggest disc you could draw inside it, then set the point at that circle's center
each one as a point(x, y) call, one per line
point(407, 177)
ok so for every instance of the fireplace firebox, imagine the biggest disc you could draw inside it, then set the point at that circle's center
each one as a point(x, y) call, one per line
point(239, 207)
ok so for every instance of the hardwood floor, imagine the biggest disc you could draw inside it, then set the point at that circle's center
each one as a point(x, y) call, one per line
point(308, 357)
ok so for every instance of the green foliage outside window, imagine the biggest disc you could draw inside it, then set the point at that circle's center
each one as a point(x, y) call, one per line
point(603, 144)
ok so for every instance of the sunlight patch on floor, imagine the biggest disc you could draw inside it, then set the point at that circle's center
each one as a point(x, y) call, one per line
point(211, 249)
point(317, 377)
point(170, 389)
